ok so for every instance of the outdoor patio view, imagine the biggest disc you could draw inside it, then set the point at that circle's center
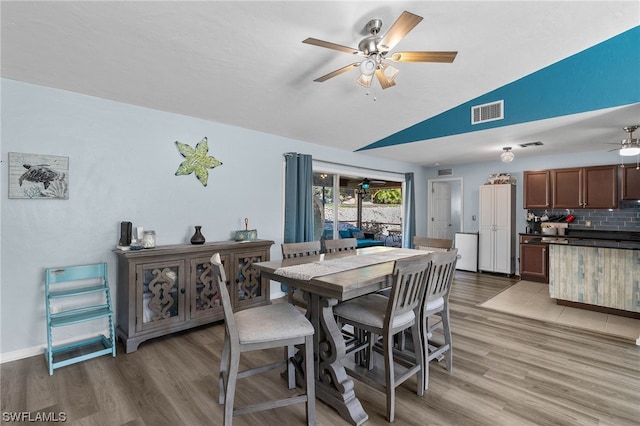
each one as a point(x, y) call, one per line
point(369, 210)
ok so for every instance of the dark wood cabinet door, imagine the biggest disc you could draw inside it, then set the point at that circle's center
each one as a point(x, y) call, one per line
point(534, 265)
point(566, 188)
point(537, 189)
point(630, 177)
point(600, 187)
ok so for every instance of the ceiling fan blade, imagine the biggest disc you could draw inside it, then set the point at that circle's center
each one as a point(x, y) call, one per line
point(334, 46)
point(405, 23)
point(423, 56)
point(384, 81)
point(336, 72)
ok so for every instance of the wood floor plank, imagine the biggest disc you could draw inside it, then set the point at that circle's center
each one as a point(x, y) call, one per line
point(507, 370)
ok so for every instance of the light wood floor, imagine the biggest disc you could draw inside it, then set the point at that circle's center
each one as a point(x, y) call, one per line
point(506, 371)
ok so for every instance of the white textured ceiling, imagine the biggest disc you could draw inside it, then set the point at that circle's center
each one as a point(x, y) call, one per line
point(244, 64)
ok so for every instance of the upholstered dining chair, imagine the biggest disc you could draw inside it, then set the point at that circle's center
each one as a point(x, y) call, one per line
point(375, 314)
point(263, 327)
point(291, 250)
point(340, 244)
point(432, 244)
point(436, 303)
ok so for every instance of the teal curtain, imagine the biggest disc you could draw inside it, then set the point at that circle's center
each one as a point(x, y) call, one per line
point(409, 201)
point(298, 197)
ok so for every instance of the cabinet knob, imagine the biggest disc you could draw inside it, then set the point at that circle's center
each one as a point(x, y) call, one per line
point(182, 290)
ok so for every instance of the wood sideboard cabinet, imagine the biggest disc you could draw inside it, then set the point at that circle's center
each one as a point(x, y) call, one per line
point(171, 288)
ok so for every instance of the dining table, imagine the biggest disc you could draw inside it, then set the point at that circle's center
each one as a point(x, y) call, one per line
point(326, 280)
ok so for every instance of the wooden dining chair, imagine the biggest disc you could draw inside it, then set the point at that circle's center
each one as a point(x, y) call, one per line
point(263, 327)
point(436, 303)
point(375, 314)
point(309, 248)
point(291, 250)
point(432, 244)
point(340, 244)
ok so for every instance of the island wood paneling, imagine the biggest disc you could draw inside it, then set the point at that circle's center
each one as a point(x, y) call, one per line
point(596, 276)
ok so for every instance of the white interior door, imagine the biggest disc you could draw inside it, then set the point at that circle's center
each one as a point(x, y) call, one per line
point(441, 210)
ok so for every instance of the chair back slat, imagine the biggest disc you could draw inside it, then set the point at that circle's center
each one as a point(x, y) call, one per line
point(225, 300)
point(440, 278)
point(436, 244)
point(310, 248)
point(340, 244)
point(409, 284)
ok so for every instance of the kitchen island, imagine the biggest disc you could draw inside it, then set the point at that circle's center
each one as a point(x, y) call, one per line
point(598, 274)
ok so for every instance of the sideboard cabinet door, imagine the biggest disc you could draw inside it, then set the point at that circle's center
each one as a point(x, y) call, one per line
point(160, 295)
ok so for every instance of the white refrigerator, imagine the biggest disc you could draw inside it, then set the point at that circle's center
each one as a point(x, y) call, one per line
point(467, 245)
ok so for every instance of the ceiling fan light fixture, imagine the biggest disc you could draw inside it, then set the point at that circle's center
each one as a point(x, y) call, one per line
point(365, 80)
point(507, 156)
point(630, 151)
point(390, 72)
point(368, 67)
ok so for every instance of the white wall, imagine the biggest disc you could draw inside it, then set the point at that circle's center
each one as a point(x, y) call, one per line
point(122, 161)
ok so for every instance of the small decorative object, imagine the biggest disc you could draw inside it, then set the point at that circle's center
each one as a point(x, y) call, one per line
point(38, 176)
point(247, 234)
point(125, 234)
point(500, 178)
point(196, 160)
point(149, 239)
point(197, 238)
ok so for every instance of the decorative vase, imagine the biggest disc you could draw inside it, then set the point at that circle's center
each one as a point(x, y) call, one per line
point(197, 238)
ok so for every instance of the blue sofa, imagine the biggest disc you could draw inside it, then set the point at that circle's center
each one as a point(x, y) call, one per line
point(362, 240)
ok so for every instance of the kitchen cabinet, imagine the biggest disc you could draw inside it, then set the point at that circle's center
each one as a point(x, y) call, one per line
point(537, 189)
point(172, 288)
point(496, 248)
point(585, 187)
point(534, 260)
point(630, 183)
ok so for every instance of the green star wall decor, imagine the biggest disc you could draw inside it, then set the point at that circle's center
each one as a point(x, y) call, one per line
point(197, 160)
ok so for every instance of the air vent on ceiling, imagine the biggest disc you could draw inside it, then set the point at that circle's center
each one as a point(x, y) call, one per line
point(487, 112)
point(537, 143)
point(445, 172)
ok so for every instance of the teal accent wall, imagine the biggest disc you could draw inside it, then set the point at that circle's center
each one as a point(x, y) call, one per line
point(603, 76)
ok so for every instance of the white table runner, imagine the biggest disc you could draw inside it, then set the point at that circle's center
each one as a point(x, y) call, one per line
point(306, 271)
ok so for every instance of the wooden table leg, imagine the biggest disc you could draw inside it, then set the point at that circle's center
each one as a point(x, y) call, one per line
point(333, 385)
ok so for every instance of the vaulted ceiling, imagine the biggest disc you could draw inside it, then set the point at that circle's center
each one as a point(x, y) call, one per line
point(567, 71)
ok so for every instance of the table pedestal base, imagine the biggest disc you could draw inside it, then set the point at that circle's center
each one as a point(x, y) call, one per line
point(333, 385)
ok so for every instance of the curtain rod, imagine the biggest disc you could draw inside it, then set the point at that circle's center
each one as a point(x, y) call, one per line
point(358, 167)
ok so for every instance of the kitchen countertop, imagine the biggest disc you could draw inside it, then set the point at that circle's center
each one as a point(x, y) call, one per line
point(598, 239)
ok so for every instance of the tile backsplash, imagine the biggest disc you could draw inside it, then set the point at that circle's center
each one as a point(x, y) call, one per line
point(599, 219)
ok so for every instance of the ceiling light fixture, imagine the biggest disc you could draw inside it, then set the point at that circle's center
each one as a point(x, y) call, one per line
point(631, 146)
point(630, 151)
point(507, 156)
point(367, 69)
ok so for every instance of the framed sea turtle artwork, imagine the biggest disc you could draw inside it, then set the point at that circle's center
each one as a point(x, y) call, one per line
point(37, 176)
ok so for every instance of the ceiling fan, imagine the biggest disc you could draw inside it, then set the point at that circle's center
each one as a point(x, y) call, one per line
point(630, 146)
point(366, 184)
point(375, 49)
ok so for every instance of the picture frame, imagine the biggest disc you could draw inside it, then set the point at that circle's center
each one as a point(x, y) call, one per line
point(38, 176)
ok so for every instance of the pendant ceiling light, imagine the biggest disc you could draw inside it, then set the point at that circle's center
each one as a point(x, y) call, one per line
point(507, 156)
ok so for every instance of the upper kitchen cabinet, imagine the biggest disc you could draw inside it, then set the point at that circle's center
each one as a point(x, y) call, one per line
point(630, 183)
point(585, 187)
point(537, 189)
